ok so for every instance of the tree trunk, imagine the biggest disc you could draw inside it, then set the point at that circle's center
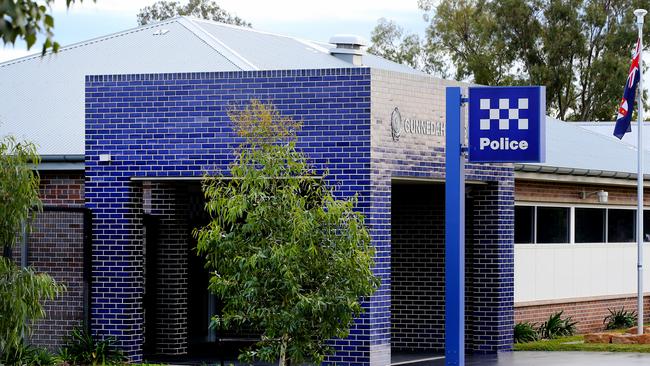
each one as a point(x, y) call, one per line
point(283, 350)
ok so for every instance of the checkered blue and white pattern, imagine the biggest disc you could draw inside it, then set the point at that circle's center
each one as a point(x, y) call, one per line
point(506, 112)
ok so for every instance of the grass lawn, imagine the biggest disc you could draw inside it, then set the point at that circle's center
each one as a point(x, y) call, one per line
point(576, 343)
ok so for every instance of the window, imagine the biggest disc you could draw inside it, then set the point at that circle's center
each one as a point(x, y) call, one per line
point(524, 224)
point(590, 225)
point(646, 225)
point(552, 224)
point(555, 224)
point(620, 225)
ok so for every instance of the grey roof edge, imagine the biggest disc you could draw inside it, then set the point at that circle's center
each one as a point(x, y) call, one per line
point(62, 162)
point(91, 41)
point(57, 158)
point(545, 169)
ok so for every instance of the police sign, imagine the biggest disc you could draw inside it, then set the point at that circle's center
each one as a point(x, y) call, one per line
point(507, 124)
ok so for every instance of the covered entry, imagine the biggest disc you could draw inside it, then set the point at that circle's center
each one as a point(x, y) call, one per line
point(418, 267)
point(177, 304)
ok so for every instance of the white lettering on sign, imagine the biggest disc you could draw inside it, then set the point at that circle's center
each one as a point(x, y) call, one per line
point(503, 143)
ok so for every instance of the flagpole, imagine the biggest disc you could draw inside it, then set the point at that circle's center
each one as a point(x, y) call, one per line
point(640, 13)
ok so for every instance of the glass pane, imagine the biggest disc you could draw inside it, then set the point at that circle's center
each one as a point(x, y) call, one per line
point(620, 226)
point(552, 224)
point(524, 224)
point(646, 225)
point(590, 225)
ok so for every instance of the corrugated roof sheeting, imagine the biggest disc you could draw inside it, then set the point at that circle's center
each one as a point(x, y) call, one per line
point(270, 51)
point(607, 129)
point(44, 97)
point(571, 149)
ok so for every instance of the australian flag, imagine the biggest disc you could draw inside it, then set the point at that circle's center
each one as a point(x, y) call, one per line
point(626, 107)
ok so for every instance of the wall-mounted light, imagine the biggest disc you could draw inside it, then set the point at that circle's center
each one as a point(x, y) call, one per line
point(105, 158)
point(602, 195)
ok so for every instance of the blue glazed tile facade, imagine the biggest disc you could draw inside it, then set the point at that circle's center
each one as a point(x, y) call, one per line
point(176, 125)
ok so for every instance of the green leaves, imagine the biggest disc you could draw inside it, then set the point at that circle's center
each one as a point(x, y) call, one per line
point(27, 19)
point(287, 256)
point(81, 348)
point(205, 9)
point(18, 187)
point(22, 292)
point(580, 50)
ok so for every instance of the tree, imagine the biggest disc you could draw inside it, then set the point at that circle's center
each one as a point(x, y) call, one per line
point(580, 50)
point(285, 255)
point(390, 41)
point(26, 19)
point(205, 9)
point(22, 291)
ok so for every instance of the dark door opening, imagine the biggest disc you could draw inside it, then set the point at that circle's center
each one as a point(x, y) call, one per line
point(417, 269)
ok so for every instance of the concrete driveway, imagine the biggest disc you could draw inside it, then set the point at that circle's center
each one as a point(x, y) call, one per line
point(555, 359)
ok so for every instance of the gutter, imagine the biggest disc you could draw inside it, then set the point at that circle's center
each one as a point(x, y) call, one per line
point(541, 173)
point(62, 162)
point(530, 168)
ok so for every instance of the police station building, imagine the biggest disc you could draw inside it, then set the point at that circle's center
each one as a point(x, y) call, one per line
point(129, 123)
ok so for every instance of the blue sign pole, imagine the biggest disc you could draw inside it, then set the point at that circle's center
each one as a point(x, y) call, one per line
point(454, 232)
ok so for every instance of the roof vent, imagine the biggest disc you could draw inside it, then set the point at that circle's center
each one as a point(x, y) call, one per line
point(348, 48)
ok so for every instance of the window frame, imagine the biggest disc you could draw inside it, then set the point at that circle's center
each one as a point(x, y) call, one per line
point(572, 233)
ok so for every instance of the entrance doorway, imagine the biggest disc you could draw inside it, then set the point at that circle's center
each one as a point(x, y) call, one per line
point(176, 280)
point(418, 268)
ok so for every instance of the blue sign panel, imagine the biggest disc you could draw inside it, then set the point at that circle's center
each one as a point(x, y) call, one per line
point(507, 124)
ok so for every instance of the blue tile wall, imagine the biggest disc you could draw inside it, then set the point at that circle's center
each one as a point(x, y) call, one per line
point(176, 125)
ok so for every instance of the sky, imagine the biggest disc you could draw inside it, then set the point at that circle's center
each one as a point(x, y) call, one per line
point(315, 20)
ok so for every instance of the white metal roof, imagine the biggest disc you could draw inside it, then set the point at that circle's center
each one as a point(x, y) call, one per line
point(43, 97)
point(572, 149)
point(607, 129)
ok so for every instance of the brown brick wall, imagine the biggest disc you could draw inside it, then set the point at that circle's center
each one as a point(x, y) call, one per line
point(535, 191)
point(62, 188)
point(589, 314)
point(55, 246)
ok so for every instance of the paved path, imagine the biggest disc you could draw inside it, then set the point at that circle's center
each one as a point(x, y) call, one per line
point(556, 359)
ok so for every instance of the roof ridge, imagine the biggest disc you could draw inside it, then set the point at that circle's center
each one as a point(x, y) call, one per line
point(317, 45)
point(216, 44)
point(92, 41)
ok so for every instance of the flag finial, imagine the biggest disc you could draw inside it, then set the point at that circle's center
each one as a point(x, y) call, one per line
point(640, 13)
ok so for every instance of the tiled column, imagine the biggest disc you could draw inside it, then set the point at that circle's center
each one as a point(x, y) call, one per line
point(490, 281)
point(117, 259)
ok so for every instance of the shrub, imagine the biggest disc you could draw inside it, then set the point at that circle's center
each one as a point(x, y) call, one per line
point(620, 319)
point(81, 348)
point(525, 332)
point(22, 290)
point(28, 355)
point(556, 326)
point(22, 294)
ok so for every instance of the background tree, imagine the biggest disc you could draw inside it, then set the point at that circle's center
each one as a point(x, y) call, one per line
point(580, 50)
point(284, 254)
point(205, 9)
point(26, 19)
point(22, 291)
point(390, 41)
